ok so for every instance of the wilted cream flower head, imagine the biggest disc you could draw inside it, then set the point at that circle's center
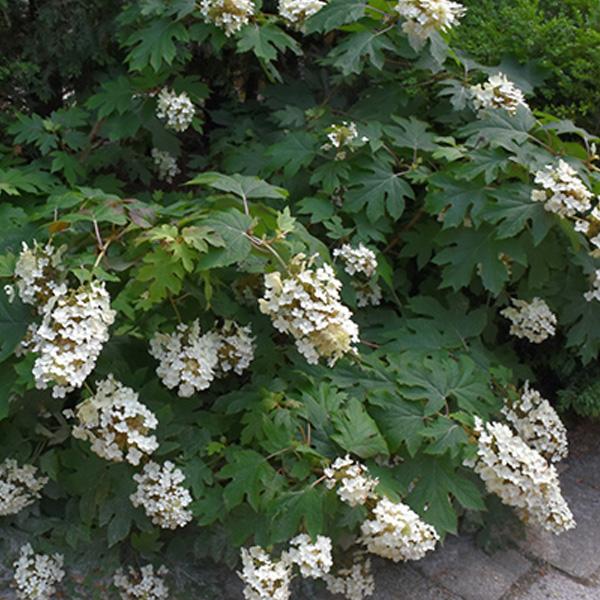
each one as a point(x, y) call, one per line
point(176, 109)
point(235, 348)
point(498, 92)
point(115, 423)
point(36, 575)
point(312, 558)
point(19, 486)
point(563, 192)
point(594, 293)
point(297, 11)
point(306, 304)
point(425, 17)
point(398, 533)
point(143, 584)
point(532, 320)
point(357, 260)
point(538, 424)
point(39, 274)
point(187, 359)
point(355, 583)
point(228, 15)
point(70, 337)
point(161, 494)
point(521, 477)
point(166, 165)
point(354, 485)
point(263, 577)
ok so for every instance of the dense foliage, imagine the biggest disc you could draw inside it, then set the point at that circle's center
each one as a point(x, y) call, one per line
point(255, 245)
point(558, 40)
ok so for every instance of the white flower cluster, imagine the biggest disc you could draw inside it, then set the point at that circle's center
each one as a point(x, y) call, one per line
point(116, 423)
point(69, 339)
point(425, 17)
point(229, 15)
point(176, 109)
point(36, 575)
point(312, 558)
point(355, 583)
point(144, 584)
point(235, 349)
point(187, 359)
point(594, 293)
point(538, 424)
point(297, 11)
point(307, 305)
point(397, 533)
point(341, 137)
point(264, 578)
point(354, 484)
point(19, 486)
point(166, 165)
point(532, 320)
point(562, 191)
point(357, 260)
point(521, 477)
point(361, 262)
point(190, 360)
point(498, 92)
point(161, 494)
point(38, 275)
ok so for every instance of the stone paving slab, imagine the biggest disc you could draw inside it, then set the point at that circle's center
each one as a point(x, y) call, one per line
point(586, 470)
point(463, 568)
point(577, 552)
point(556, 586)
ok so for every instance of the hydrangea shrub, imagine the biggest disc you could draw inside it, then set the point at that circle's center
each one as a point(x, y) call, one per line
point(275, 285)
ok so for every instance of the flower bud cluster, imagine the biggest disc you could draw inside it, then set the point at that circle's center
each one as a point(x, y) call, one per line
point(538, 424)
point(39, 274)
point(355, 583)
point(521, 477)
point(265, 578)
point(69, 339)
point(190, 360)
point(306, 304)
point(19, 486)
point(361, 262)
point(354, 485)
point(36, 575)
point(498, 92)
point(116, 424)
point(594, 293)
point(562, 191)
point(397, 533)
point(312, 558)
point(425, 17)
point(166, 165)
point(161, 494)
point(176, 109)
point(531, 320)
point(343, 137)
point(297, 11)
point(228, 15)
point(143, 584)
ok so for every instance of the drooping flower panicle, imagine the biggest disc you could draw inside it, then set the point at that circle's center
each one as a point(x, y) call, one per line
point(228, 15)
point(351, 480)
point(176, 109)
point(166, 165)
point(142, 584)
point(296, 12)
point(19, 486)
point(312, 558)
point(361, 263)
point(425, 17)
point(531, 320)
point(235, 348)
point(161, 494)
point(498, 92)
point(306, 304)
point(354, 583)
point(521, 477)
point(538, 424)
point(264, 578)
point(116, 424)
point(36, 575)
